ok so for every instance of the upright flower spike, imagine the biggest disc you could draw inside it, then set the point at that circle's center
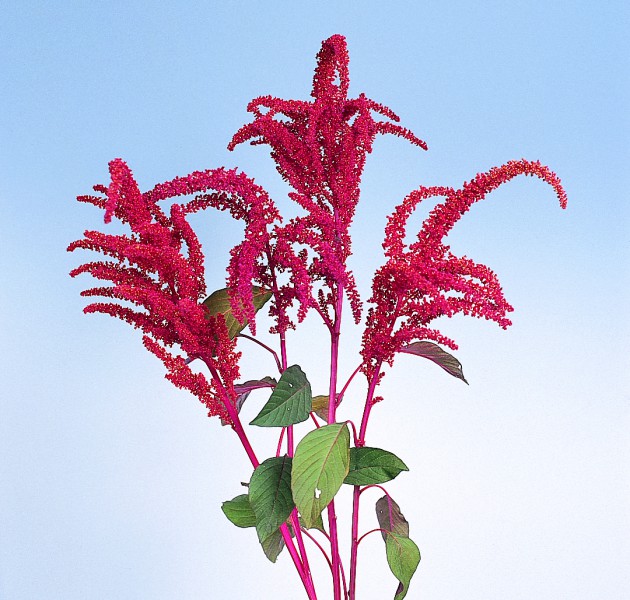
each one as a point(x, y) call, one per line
point(425, 281)
point(320, 148)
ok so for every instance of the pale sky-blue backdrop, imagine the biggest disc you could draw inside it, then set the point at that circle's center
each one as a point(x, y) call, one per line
point(111, 480)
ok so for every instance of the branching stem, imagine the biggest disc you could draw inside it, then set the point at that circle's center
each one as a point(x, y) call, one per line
point(303, 572)
point(271, 350)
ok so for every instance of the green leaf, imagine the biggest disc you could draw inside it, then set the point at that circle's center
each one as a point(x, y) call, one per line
point(433, 352)
point(239, 511)
point(320, 406)
point(390, 519)
point(320, 464)
point(270, 495)
point(319, 524)
point(289, 403)
point(218, 303)
point(273, 545)
point(403, 558)
point(373, 465)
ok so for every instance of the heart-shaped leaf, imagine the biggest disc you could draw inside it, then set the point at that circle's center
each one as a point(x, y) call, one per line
point(218, 303)
point(320, 465)
point(390, 519)
point(239, 511)
point(289, 403)
point(373, 465)
point(403, 558)
point(433, 352)
point(270, 495)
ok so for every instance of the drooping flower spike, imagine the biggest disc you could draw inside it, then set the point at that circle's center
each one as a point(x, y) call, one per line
point(158, 268)
point(424, 281)
point(320, 148)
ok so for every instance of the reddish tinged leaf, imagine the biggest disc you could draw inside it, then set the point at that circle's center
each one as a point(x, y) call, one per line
point(218, 303)
point(403, 555)
point(320, 406)
point(240, 400)
point(243, 390)
point(255, 384)
point(273, 545)
point(433, 352)
point(390, 519)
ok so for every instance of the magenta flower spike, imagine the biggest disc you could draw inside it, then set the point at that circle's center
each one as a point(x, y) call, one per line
point(320, 148)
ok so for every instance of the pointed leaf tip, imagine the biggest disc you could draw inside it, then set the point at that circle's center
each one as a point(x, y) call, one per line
point(373, 466)
point(290, 402)
point(403, 558)
point(440, 357)
point(273, 545)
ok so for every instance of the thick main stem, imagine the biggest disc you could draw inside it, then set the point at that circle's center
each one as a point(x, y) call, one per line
point(332, 406)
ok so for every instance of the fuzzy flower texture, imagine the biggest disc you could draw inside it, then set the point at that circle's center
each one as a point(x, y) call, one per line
point(156, 270)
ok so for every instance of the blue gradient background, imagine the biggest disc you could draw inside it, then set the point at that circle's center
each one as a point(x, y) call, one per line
point(111, 480)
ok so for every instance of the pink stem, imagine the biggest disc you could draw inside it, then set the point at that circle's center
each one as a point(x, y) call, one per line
point(355, 437)
point(271, 350)
point(345, 387)
point(312, 538)
point(368, 404)
point(375, 485)
point(307, 577)
point(281, 437)
point(238, 428)
point(343, 575)
point(332, 517)
point(343, 580)
point(372, 531)
point(290, 451)
point(354, 546)
point(356, 493)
